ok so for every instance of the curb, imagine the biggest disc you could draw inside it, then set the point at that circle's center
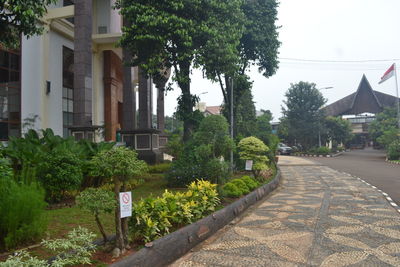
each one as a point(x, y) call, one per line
point(320, 156)
point(393, 162)
point(171, 247)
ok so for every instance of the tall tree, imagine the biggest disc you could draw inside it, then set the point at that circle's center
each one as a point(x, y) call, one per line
point(182, 34)
point(244, 110)
point(303, 113)
point(338, 130)
point(19, 17)
point(258, 45)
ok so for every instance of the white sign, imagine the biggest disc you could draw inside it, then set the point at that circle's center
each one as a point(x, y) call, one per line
point(249, 165)
point(125, 203)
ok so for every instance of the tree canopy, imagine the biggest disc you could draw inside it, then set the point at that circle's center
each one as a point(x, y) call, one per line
point(384, 129)
point(182, 34)
point(303, 113)
point(19, 17)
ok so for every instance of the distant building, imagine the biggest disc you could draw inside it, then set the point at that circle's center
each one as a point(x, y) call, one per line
point(208, 110)
point(360, 109)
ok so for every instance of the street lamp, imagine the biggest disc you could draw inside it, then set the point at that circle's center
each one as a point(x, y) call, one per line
point(319, 127)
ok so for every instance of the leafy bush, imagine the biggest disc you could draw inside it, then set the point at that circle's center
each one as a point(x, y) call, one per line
point(60, 173)
point(21, 209)
point(250, 182)
point(79, 241)
point(97, 201)
point(241, 185)
point(195, 163)
point(231, 190)
point(201, 157)
point(394, 150)
point(160, 168)
point(5, 169)
point(323, 150)
point(129, 185)
point(23, 259)
point(154, 217)
point(252, 148)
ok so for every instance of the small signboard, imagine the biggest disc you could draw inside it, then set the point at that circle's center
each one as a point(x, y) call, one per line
point(249, 165)
point(125, 203)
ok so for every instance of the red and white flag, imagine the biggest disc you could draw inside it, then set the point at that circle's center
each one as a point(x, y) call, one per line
point(388, 74)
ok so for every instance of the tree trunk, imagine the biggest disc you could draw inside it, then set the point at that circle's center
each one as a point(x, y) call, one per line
point(119, 242)
point(103, 233)
point(187, 103)
point(125, 230)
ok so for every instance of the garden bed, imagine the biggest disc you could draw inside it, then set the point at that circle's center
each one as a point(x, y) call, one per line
point(318, 156)
point(172, 246)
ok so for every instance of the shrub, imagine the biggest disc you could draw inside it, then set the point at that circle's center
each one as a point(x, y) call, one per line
point(97, 201)
point(21, 209)
point(160, 168)
point(323, 150)
point(119, 166)
point(154, 217)
point(5, 169)
point(394, 150)
point(60, 173)
point(23, 259)
point(79, 241)
point(252, 148)
point(241, 185)
point(231, 190)
point(250, 182)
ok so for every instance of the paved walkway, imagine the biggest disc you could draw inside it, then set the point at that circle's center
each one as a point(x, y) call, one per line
point(318, 217)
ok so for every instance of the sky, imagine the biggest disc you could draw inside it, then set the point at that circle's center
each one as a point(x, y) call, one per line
point(315, 34)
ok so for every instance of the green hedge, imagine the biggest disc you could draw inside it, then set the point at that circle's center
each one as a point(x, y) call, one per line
point(240, 186)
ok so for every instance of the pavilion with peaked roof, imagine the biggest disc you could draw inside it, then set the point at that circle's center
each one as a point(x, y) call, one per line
point(364, 100)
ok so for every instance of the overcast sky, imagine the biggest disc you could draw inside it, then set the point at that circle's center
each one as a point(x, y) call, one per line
point(322, 30)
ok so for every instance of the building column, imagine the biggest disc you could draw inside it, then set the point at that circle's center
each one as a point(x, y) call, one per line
point(129, 96)
point(83, 64)
point(160, 110)
point(145, 100)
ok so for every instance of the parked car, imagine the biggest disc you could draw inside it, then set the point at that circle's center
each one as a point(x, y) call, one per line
point(284, 149)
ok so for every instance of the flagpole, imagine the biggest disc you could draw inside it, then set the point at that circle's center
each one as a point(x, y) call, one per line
point(397, 95)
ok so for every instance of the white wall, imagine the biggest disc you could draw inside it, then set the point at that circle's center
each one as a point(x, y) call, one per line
point(31, 79)
point(35, 72)
point(98, 88)
point(115, 19)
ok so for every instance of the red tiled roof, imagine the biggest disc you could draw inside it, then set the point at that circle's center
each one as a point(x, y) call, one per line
point(214, 110)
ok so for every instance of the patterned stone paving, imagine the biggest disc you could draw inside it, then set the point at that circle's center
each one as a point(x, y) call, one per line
point(318, 217)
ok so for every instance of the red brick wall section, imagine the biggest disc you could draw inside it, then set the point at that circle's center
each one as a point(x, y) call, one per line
point(113, 78)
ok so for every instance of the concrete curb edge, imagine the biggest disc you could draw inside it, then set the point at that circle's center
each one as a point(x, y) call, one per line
point(171, 247)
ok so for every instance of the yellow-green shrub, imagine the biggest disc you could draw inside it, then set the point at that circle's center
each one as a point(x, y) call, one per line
point(154, 217)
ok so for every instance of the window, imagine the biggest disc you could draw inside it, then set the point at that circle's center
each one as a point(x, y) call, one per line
point(10, 94)
point(69, 3)
point(68, 90)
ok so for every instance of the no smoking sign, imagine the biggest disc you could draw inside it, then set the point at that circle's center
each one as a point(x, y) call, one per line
point(125, 203)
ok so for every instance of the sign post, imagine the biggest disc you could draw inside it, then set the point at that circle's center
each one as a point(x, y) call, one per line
point(125, 203)
point(249, 165)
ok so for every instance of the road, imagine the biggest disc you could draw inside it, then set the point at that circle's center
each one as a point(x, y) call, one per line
point(317, 217)
point(370, 165)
